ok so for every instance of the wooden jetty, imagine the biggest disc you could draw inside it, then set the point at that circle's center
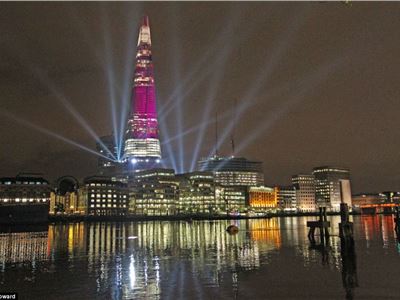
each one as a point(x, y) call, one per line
point(322, 224)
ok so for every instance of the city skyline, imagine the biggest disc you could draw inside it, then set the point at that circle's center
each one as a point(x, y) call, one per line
point(299, 104)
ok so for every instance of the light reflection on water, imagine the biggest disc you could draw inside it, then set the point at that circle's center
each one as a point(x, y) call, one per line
point(199, 259)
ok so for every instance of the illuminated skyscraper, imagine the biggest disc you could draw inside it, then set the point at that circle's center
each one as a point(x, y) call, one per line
point(142, 145)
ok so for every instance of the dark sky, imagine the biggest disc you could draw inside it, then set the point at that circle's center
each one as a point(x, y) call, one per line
point(315, 83)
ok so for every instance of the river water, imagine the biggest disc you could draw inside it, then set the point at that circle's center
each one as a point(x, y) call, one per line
point(266, 259)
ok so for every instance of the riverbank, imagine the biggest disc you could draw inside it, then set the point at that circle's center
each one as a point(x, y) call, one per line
point(131, 218)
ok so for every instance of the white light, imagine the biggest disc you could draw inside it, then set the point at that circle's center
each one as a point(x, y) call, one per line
point(157, 161)
point(133, 160)
point(147, 160)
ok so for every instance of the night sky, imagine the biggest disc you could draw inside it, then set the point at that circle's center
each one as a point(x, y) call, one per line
point(314, 84)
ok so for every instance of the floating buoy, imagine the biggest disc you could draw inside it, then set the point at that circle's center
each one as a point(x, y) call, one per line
point(232, 229)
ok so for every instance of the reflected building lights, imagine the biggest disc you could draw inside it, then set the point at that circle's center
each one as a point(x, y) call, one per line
point(166, 252)
point(19, 247)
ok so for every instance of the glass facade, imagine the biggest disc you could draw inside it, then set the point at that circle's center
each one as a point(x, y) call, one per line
point(332, 184)
point(141, 139)
point(233, 171)
point(154, 193)
point(286, 198)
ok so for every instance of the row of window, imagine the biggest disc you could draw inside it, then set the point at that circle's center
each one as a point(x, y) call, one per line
point(108, 206)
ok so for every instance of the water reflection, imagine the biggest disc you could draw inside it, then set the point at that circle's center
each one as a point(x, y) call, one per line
point(349, 267)
point(177, 259)
point(23, 245)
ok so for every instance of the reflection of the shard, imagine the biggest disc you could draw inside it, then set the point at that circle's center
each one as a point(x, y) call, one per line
point(16, 247)
point(162, 253)
point(202, 241)
point(207, 245)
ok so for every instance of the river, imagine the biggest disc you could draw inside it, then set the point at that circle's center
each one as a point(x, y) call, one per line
point(266, 259)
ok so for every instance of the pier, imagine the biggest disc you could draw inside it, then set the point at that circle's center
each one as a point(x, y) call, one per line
point(322, 224)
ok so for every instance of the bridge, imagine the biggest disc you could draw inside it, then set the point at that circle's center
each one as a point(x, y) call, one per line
point(375, 207)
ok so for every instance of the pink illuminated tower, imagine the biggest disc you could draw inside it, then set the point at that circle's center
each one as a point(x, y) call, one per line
point(142, 145)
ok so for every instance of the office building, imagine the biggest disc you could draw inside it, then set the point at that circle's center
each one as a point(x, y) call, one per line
point(305, 192)
point(233, 171)
point(24, 199)
point(262, 199)
point(234, 198)
point(332, 186)
point(286, 198)
point(102, 196)
point(154, 192)
point(198, 194)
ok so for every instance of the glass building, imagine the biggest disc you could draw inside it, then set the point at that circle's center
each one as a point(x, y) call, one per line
point(198, 194)
point(286, 198)
point(142, 145)
point(332, 185)
point(233, 171)
point(154, 192)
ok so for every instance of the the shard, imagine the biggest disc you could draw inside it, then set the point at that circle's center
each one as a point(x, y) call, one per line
point(142, 144)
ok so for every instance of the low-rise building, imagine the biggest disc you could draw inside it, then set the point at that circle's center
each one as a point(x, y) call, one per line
point(102, 196)
point(66, 197)
point(286, 198)
point(262, 199)
point(24, 199)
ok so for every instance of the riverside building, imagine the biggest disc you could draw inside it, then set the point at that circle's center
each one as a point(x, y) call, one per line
point(286, 198)
point(24, 199)
point(233, 171)
point(154, 192)
point(66, 199)
point(332, 186)
point(104, 197)
point(234, 198)
point(198, 194)
point(304, 186)
point(262, 199)
point(234, 175)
